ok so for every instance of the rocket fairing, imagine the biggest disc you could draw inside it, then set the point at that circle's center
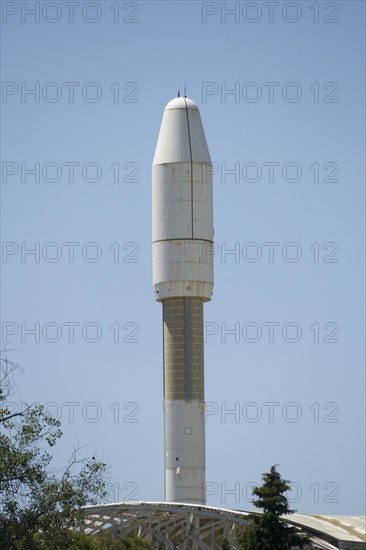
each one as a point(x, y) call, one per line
point(182, 226)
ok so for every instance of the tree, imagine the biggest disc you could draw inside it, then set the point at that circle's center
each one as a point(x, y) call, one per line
point(268, 531)
point(105, 542)
point(40, 509)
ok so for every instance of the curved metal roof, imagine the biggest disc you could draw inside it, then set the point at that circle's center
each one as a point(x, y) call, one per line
point(165, 524)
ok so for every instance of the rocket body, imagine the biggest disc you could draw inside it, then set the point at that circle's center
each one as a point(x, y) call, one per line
point(183, 281)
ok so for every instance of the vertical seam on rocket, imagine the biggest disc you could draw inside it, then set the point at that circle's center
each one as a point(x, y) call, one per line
point(190, 154)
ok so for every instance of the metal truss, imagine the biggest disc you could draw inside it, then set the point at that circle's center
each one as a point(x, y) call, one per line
point(165, 525)
point(168, 526)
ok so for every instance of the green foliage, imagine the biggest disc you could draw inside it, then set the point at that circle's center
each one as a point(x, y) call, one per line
point(105, 542)
point(267, 531)
point(81, 541)
point(270, 495)
point(39, 508)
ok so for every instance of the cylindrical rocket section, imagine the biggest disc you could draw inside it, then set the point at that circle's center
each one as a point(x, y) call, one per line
point(184, 432)
point(183, 281)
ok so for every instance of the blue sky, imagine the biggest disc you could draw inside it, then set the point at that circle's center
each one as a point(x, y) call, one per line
point(280, 87)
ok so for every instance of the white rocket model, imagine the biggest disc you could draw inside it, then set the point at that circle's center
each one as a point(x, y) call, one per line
point(183, 281)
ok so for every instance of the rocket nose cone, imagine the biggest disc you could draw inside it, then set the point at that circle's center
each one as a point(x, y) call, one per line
point(181, 137)
point(181, 103)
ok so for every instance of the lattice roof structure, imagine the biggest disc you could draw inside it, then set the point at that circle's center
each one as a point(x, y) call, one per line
point(197, 527)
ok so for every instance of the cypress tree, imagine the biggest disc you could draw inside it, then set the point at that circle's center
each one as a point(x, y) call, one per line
point(268, 531)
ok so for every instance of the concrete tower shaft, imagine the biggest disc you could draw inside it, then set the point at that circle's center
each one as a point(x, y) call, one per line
point(183, 281)
point(183, 349)
point(184, 431)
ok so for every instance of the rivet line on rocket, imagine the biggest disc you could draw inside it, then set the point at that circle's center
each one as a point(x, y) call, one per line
point(190, 153)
